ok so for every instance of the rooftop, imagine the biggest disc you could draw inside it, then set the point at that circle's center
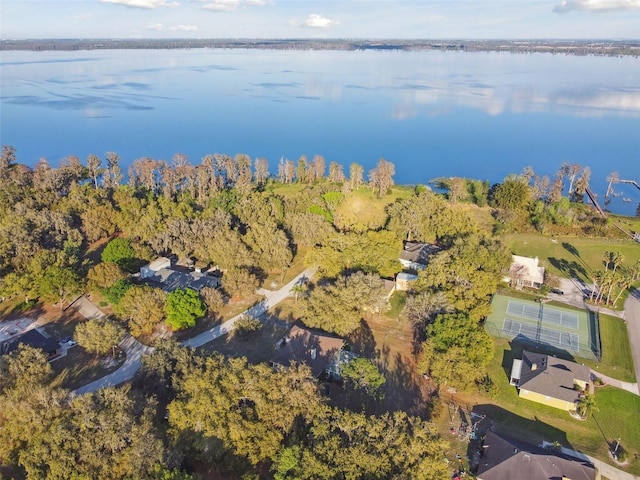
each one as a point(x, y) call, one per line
point(169, 279)
point(302, 345)
point(418, 252)
point(34, 339)
point(552, 376)
point(508, 459)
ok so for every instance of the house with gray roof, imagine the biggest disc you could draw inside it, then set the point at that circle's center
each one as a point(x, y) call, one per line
point(323, 353)
point(160, 273)
point(504, 458)
point(34, 338)
point(549, 380)
point(415, 255)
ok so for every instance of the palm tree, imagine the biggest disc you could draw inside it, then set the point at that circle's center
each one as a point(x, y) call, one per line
point(596, 277)
point(635, 271)
point(612, 178)
point(625, 280)
point(616, 258)
point(297, 289)
point(607, 259)
point(605, 280)
point(585, 405)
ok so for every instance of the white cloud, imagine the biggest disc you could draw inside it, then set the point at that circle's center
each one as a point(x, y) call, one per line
point(318, 21)
point(597, 6)
point(183, 28)
point(82, 16)
point(146, 4)
point(257, 3)
point(159, 27)
point(222, 5)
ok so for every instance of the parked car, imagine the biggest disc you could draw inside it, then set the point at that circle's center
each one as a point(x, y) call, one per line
point(71, 343)
point(557, 291)
point(66, 339)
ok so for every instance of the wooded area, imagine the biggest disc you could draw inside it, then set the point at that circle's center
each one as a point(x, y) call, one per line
point(229, 212)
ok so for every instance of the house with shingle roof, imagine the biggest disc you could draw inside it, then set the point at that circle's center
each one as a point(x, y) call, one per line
point(323, 353)
point(504, 458)
point(34, 338)
point(415, 255)
point(550, 380)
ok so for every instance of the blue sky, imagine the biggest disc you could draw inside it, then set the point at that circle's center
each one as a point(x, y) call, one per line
point(468, 19)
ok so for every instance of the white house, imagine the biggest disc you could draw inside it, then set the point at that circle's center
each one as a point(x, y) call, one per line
point(150, 269)
point(525, 272)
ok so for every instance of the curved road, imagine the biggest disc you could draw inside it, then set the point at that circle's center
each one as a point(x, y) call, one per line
point(135, 350)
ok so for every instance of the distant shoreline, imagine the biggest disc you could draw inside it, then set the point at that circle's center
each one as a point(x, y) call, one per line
point(566, 47)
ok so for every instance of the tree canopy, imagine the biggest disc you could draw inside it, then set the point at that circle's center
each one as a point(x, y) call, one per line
point(457, 351)
point(184, 307)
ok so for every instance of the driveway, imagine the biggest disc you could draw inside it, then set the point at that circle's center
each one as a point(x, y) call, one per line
point(135, 350)
point(86, 308)
point(631, 317)
point(272, 298)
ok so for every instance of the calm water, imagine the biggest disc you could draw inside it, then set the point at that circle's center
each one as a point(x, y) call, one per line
point(479, 115)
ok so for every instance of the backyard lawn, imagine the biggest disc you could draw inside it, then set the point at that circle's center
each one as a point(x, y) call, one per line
point(571, 256)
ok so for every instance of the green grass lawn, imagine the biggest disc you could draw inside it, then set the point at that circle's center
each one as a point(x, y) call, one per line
point(616, 417)
point(571, 256)
point(617, 361)
point(362, 210)
point(396, 304)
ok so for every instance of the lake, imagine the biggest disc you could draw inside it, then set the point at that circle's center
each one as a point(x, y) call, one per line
point(479, 115)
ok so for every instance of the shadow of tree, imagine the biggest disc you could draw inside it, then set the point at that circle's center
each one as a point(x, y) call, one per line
point(362, 341)
point(574, 251)
point(570, 269)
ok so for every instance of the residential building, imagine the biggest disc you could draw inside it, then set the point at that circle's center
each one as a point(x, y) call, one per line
point(33, 338)
point(504, 458)
point(324, 354)
point(551, 381)
point(415, 255)
point(525, 272)
point(160, 273)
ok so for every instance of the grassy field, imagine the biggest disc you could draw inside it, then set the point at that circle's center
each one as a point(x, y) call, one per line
point(362, 210)
point(616, 417)
point(617, 361)
point(571, 256)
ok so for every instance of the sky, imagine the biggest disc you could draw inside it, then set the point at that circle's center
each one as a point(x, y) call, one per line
point(430, 19)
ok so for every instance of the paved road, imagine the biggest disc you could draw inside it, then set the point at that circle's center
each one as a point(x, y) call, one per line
point(135, 350)
point(632, 319)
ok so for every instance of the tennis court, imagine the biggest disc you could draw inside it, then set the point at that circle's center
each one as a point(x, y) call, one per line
point(548, 314)
point(574, 331)
point(542, 334)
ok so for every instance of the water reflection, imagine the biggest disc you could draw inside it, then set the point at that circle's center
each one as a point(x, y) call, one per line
point(431, 113)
